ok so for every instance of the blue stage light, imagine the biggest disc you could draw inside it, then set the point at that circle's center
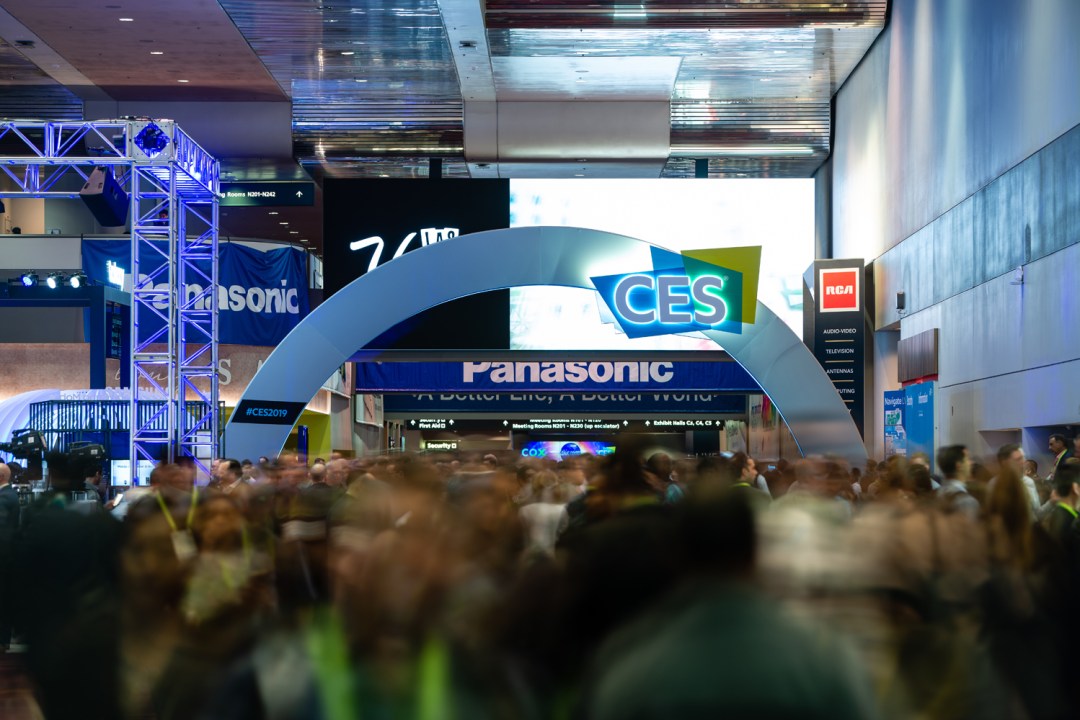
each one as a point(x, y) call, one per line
point(151, 140)
point(54, 280)
point(28, 279)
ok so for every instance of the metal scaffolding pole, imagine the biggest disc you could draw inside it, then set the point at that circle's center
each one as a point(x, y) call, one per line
point(172, 185)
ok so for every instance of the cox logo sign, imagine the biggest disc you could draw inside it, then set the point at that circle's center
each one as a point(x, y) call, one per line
point(684, 292)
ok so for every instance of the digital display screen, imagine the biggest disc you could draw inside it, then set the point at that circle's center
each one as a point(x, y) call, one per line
point(367, 223)
point(120, 473)
point(778, 215)
point(561, 449)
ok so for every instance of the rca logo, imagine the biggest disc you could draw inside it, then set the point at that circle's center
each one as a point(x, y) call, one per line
point(839, 290)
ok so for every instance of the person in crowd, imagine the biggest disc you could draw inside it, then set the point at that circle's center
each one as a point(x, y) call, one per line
point(64, 577)
point(661, 467)
point(921, 458)
point(9, 527)
point(544, 519)
point(701, 649)
point(1011, 457)
point(1042, 485)
point(1061, 450)
point(747, 478)
point(954, 493)
point(93, 485)
point(1020, 617)
point(1061, 522)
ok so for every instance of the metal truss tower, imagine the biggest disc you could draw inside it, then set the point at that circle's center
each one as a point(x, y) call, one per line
point(172, 189)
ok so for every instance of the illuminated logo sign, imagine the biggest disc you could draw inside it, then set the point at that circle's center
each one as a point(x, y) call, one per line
point(116, 274)
point(428, 236)
point(839, 290)
point(567, 372)
point(687, 292)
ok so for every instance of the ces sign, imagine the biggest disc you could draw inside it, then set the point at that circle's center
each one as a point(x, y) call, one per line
point(683, 292)
point(839, 290)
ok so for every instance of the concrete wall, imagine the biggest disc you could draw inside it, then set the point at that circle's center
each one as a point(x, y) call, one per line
point(957, 160)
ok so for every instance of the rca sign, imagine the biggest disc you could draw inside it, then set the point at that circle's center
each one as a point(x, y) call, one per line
point(839, 290)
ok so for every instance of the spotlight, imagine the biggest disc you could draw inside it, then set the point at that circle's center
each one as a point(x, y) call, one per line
point(77, 280)
point(28, 279)
point(54, 280)
point(151, 140)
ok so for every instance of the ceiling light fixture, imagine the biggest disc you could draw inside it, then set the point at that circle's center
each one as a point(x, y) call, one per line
point(151, 139)
point(127, 19)
point(347, 52)
point(283, 222)
point(273, 212)
point(183, 81)
point(294, 232)
point(156, 52)
point(303, 240)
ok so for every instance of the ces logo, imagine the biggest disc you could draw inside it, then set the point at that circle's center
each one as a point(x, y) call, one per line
point(839, 290)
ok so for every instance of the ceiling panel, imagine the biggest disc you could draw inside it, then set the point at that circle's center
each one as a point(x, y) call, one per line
point(29, 94)
point(592, 78)
point(676, 14)
point(368, 78)
point(197, 42)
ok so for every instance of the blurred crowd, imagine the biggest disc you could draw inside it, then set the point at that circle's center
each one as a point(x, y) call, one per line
point(630, 586)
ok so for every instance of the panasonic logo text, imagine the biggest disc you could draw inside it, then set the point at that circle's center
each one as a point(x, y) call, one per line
point(280, 300)
point(553, 373)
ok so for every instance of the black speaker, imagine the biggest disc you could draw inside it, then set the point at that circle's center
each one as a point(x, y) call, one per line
point(901, 300)
point(106, 199)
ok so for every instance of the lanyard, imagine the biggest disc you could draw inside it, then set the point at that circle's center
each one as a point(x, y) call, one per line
point(168, 515)
point(1068, 508)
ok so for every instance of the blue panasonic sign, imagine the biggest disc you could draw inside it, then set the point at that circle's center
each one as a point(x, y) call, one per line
point(684, 292)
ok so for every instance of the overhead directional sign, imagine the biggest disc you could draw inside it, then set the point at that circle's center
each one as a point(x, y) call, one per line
point(266, 193)
point(607, 424)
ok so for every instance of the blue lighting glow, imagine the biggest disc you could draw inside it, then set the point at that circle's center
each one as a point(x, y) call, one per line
point(151, 140)
point(28, 279)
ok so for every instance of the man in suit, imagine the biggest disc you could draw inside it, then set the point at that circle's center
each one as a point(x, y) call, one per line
point(1059, 448)
point(9, 525)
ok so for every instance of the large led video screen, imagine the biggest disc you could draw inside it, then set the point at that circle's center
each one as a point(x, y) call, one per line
point(369, 222)
point(678, 215)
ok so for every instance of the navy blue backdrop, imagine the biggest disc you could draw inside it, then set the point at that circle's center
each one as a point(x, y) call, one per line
point(261, 295)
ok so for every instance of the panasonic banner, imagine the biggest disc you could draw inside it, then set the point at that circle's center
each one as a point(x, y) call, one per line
point(261, 297)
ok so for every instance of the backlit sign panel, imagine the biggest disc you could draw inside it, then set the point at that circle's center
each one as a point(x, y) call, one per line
point(839, 290)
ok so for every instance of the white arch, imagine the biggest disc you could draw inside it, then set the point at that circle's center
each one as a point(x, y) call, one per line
point(519, 257)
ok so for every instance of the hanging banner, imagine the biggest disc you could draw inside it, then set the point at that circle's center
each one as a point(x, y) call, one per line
point(919, 418)
point(678, 403)
point(552, 376)
point(262, 296)
point(894, 402)
point(839, 329)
